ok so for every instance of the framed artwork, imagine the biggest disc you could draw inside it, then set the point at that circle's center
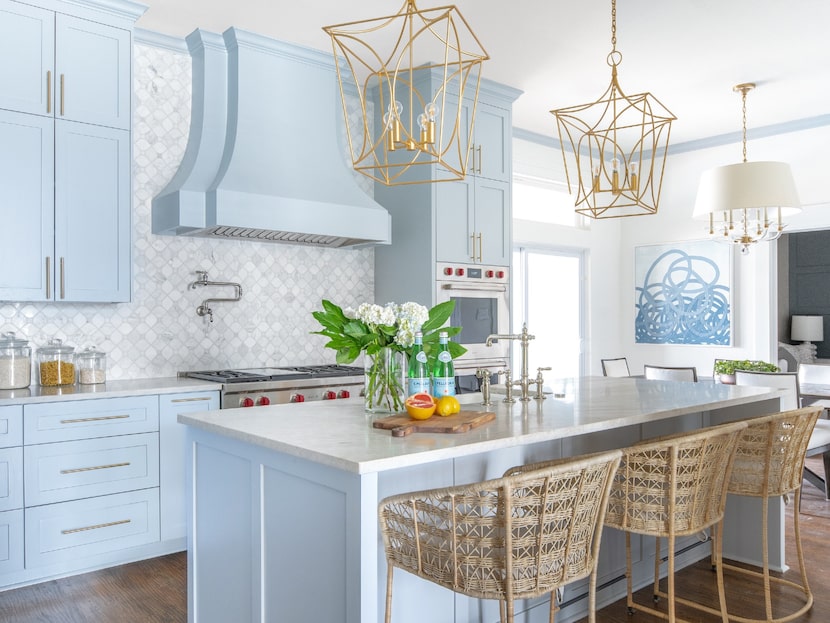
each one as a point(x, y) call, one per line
point(683, 293)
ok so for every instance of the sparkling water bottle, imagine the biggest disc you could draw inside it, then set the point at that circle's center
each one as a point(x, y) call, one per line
point(418, 373)
point(443, 374)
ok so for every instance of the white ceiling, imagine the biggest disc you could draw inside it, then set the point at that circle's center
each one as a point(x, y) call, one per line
point(687, 53)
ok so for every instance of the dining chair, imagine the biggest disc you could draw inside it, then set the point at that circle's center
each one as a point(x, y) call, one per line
point(769, 458)
point(670, 487)
point(777, 380)
point(520, 536)
point(666, 373)
point(615, 367)
point(814, 374)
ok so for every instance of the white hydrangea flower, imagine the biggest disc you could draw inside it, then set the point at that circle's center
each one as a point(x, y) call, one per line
point(349, 312)
point(410, 318)
point(375, 314)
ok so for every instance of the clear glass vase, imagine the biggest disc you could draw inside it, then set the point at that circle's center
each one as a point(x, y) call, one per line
point(384, 381)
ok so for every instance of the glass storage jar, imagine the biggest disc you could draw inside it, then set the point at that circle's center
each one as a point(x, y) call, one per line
point(56, 364)
point(15, 362)
point(92, 366)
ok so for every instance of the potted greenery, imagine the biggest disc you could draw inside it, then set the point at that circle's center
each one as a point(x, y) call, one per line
point(725, 368)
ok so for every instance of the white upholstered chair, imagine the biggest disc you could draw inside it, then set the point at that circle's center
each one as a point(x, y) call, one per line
point(666, 373)
point(777, 380)
point(615, 367)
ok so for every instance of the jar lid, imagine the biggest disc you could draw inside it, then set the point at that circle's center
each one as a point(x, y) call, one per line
point(90, 352)
point(56, 347)
point(10, 340)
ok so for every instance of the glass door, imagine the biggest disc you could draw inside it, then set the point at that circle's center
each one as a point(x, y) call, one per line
point(548, 296)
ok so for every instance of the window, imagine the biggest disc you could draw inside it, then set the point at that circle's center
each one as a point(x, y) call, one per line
point(548, 297)
point(544, 201)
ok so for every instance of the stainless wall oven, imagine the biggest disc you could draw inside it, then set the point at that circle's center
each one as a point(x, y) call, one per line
point(481, 295)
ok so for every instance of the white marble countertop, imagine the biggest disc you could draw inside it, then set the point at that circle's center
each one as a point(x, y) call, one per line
point(111, 389)
point(339, 433)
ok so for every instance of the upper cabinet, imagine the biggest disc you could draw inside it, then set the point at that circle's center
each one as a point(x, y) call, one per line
point(65, 150)
point(64, 67)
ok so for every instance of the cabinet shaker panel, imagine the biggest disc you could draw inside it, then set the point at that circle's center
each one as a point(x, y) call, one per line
point(27, 53)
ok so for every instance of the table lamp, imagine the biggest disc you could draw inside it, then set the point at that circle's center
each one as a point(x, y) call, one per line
point(807, 329)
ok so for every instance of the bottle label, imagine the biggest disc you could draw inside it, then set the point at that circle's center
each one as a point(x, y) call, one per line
point(421, 357)
point(444, 356)
point(443, 386)
point(418, 385)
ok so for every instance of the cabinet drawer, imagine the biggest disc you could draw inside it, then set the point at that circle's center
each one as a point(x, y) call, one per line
point(11, 426)
point(11, 541)
point(57, 472)
point(11, 478)
point(83, 419)
point(60, 533)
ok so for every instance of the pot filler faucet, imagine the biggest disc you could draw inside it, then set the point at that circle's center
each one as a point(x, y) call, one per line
point(524, 381)
point(204, 309)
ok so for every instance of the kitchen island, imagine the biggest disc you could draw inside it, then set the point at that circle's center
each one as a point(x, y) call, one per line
point(283, 506)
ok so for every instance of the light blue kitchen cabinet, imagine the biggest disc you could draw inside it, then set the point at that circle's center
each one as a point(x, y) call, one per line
point(92, 213)
point(473, 221)
point(173, 452)
point(27, 53)
point(26, 207)
point(92, 69)
point(490, 145)
point(65, 210)
point(11, 541)
point(63, 66)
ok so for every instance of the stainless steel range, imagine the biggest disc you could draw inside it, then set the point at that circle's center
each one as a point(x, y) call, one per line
point(251, 387)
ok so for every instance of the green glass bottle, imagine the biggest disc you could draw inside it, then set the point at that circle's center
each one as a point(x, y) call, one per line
point(418, 372)
point(443, 374)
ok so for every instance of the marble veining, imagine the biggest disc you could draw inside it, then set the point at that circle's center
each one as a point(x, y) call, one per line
point(340, 434)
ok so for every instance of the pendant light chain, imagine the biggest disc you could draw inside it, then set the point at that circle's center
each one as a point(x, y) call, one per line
point(743, 112)
point(613, 26)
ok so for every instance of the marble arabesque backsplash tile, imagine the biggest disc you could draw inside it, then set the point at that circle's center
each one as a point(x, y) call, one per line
point(159, 333)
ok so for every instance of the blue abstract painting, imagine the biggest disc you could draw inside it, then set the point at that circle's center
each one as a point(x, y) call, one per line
point(683, 293)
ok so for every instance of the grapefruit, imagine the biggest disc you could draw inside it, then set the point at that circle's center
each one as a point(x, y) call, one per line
point(420, 406)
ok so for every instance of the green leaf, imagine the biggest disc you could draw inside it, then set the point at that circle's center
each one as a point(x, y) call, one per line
point(438, 315)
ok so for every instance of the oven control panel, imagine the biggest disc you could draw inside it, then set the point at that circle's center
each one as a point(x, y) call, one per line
point(471, 273)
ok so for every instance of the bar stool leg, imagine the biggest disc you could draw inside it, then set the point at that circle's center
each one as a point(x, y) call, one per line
point(765, 550)
point(656, 591)
point(797, 529)
point(389, 570)
point(628, 580)
point(671, 604)
point(717, 562)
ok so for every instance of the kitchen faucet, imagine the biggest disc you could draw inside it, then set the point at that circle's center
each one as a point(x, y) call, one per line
point(524, 337)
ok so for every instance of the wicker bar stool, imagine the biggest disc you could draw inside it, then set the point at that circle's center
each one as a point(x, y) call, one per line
point(669, 487)
point(515, 537)
point(769, 459)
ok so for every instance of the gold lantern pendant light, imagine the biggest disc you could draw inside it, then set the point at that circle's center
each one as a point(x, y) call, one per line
point(746, 192)
point(618, 146)
point(403, 81)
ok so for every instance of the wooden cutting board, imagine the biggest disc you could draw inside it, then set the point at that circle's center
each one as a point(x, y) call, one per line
point(401, 424)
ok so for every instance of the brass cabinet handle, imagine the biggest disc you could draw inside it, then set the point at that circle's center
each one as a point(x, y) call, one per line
point(49, 91)
point(63, 281)
point(190, 399)
point(78, 470)
point(478, 149)
point(94, 419)
point(473, 244)
point(48, 277)
point(63, 88)
point(96, 526)
point(480, 246)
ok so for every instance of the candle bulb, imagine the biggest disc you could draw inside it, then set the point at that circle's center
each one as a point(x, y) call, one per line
point(615, 176)
point(596, 179)
point(632, 176)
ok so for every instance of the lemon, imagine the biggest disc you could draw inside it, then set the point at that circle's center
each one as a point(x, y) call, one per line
point(447, 405)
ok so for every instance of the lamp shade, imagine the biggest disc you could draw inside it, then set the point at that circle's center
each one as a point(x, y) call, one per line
point(807, 329)
point(747, 185)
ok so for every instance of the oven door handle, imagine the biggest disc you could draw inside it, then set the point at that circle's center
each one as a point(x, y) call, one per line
point(484, 287)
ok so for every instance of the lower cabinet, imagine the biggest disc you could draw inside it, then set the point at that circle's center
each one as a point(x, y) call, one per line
point(57, 533)
point(92, 482)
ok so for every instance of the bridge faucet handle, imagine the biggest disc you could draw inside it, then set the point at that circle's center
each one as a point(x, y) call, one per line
point(484, 375)
point(540, 383)
point(508, 385)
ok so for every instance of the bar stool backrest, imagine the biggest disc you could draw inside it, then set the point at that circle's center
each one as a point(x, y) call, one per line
point(776, 380)
point(666, 373)
point(815, 374)
point(770, 453)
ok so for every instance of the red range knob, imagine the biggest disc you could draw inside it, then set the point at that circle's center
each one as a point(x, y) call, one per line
point(344, 393)
point(489, 274)
point(500, 274)
point(329, 395)
point(297, 398)
point(246, 402)
point(263, 401)
point(459, 272)
point(448, 271)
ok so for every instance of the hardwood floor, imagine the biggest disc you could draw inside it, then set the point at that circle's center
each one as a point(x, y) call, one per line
point(155, 591)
